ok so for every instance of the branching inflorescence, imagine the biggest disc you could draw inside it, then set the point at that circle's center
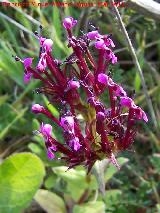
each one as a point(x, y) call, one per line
point(105, 131)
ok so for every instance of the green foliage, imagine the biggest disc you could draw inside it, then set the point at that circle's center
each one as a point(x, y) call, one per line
point(77, 181)
point(50, 202)
point(94, 207)
point(20, 177)
point(111, 170)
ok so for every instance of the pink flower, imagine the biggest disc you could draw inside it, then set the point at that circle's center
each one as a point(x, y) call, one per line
point(126, 101)
point(46, 130)
point(69, 22)
point(27, 62)
point(119, 91)
point(75, 143)
point(139, 113)
point(27, 77)
point(67, 123)
point(47, 44)
point(100, 44)
point(73, 84)
point(106, 80)
point(114, 58)
point(42, 64)
point(100, 116)
point(109, 42)
point(36, 108)
point(93, 35)
point(103, 78)
point(41, 40)
point(50, 153)
point(111, 56)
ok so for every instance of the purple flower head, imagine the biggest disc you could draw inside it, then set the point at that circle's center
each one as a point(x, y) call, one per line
point(67, 123)
point(46, 130)
point(36, 108)
point(47, 44)
point(69, 22)
point(75, 143)
point(42, 64)
point(114, 125)
point(93, 35)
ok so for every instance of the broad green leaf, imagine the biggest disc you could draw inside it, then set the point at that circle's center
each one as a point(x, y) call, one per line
point(91, 207)
point(50, 202)
point(20, 177)
point(77, 180)
point(111, 170)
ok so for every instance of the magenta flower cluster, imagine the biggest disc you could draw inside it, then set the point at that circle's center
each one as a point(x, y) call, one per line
point(104, 131)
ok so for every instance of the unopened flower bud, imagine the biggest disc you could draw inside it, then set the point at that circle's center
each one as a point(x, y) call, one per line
point(73, 84)
point(100, 116)
point(48, 45)
point(69, 22)
point(36, 108)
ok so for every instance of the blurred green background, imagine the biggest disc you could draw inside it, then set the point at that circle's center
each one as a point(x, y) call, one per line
point(29, 182)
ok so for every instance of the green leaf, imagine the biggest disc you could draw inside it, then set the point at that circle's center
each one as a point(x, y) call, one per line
point(50, 202)
point(51, 108)
point(111, 170)
point(77, 180)
point(50, 181)
point(91, 207)
point(20, 177)
point(112, 197)
point(35, 148)
point(3, 99)
point(137, 83)
point(155, 160)
point(11, 124)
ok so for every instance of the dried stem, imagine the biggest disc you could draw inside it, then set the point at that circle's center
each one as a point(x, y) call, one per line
point(136, 62)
